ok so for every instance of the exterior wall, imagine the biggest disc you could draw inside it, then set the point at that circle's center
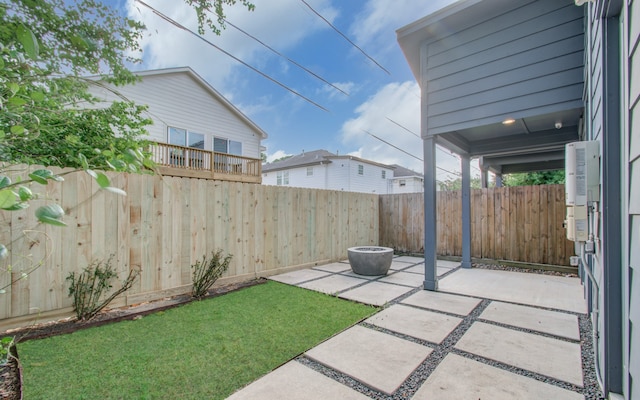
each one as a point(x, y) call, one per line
point(177, 99)
point(631, 31)
point(412, 185)
point(340, 174)
point(499, 79)
point(596, 121)
point(298, 177)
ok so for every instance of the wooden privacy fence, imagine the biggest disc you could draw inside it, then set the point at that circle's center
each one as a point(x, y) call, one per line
point(511, 223)
point(164, 225)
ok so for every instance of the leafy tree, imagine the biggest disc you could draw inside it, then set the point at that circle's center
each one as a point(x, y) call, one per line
point(47, 115)
point(456, 184)
point(534, 178)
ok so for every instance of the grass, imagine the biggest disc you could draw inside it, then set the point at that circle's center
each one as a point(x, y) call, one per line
point(205, 349)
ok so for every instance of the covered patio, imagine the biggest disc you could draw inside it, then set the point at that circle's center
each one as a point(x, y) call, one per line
point(501, 81)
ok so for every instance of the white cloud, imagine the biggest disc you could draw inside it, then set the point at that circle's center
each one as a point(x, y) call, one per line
point(281, 24)
point(380, 18)
point(393, 115)
point(277, 155)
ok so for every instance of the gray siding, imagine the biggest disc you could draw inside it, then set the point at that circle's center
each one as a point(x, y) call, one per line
point(483, 73)
point(594, 120)
point(632, 31)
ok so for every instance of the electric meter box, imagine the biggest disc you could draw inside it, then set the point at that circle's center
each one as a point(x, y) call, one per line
point(582, 173)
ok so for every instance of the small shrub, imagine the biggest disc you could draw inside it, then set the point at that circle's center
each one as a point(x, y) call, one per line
point(208, 271)
point(88, 288)
point(5, 349)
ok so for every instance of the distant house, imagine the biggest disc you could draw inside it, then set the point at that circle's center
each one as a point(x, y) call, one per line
point(198, 131)
point(405, 180)
point(321, 169)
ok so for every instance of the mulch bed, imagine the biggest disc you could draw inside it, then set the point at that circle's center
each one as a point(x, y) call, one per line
point(10, 374)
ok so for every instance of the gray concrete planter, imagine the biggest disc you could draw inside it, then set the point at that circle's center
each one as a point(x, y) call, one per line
point(370, 260)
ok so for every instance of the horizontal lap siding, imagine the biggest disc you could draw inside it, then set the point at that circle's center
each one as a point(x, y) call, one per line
point(482, 73)
point(178, 100)
point(633, 46)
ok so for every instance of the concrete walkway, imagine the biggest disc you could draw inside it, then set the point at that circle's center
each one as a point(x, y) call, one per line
point(485, 334)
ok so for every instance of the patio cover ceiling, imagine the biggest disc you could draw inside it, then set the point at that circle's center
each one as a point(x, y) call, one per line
point(535, 139)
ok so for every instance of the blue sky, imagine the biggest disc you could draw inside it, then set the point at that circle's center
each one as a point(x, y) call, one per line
point(293, 125)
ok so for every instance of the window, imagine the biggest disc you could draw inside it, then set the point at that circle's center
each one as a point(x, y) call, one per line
point(402, 182)
point(227, 146)
point(177, 136)
point(184, 138)
point(384, 174)
point(195, 140)
point(360, 169)
point(309, 171)
point(282, 178)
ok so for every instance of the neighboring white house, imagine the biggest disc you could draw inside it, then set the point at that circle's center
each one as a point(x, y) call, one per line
point(321, 169)
point(405, 180)
point(188, 112)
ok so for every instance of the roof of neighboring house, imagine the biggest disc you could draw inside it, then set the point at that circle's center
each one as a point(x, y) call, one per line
point(299, 160)
point(402, 172)
point(315, 157)
point(214, 93)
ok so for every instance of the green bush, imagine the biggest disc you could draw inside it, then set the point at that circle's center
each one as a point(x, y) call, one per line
point(88, 288)
point(207, 272)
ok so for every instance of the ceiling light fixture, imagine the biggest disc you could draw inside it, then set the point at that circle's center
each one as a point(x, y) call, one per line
point(508, 121)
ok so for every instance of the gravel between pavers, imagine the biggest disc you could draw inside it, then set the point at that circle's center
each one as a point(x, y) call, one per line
point(591, 389)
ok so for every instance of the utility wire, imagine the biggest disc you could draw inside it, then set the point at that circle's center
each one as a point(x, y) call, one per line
point(178, 25)
point(406, 129)
point(345, 37)
point(287, 58)
point(405, 152)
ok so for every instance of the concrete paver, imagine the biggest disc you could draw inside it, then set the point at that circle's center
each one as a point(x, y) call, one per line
point(459, 378)
point(535, 319)
point(383, 361)
point(561, 360)
point(419, 269)
point(448, 264)
point(459, 305)
point(549, 291)
point(421, 324)
point(333, 267)
point(295, 277)
point(398, 264)
point(375, 293)
point(376, 359)
point(409, 259)
point(332, 284)
point(369, 277)
point(294, 381)
point(404, 278)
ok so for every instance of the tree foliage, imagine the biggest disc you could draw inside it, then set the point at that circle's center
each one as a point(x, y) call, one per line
point(51, 52)
point(456, 184)
point(534, 178)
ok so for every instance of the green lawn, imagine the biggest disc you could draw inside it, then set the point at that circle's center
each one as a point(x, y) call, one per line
point(202, 350)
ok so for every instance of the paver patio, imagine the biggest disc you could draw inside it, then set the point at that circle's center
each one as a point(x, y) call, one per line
point(484, 334)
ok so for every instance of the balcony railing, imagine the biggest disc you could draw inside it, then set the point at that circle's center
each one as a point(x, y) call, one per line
point(175, 160)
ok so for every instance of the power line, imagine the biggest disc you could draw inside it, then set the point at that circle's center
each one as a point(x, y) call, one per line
point(406, 129)
point(287, 58)
point(407, 153)
point(178, 25)
point(345, 37)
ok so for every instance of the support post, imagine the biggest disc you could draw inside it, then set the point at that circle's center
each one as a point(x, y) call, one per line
point(430, 230)
point(466, 211)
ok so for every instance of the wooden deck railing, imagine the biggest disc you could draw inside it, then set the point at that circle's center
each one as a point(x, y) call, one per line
point(189, 162)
